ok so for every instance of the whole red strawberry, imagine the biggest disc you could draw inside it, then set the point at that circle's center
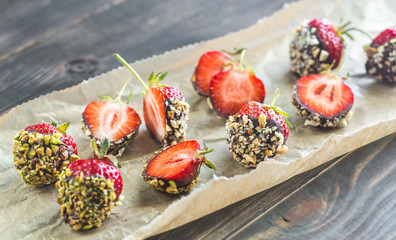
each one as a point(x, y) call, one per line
point(324, 100)
point(176, 169)
point(209, 64)
point(88, 190)
point(381, 57)
point(41, 151)
point(231, 89)
point(111, 119)
point(164, 108)
point(256, 132)
point(316, 46)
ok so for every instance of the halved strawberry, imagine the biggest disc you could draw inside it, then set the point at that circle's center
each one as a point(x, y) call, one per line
point(385, 36)
point(111, 119)
point(176, 169)
point(164, 108)
point(209, 64)
point(231, 89)
point(323, 99)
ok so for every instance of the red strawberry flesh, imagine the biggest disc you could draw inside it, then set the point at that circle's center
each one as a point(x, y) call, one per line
point(325, 94)
point(178, 163)
point(385, 36)
point(98, 167)
point(232, 89)
point(209, 64)
point(171, 92)
point(328, 34)
point(111, 120)
point(154, 112)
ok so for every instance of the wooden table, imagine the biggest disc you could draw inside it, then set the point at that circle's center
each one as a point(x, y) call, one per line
point(48, 45)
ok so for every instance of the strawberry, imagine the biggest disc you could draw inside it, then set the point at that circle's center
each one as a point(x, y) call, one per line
point(381, 58)
point(41, 151)
point(323, 99)
point(209, 64)
point(317, 46)
point(176, 169)
point(113, 120)
point(89, 189)
point(164, 108)
point(233, 88)
point(256, 132)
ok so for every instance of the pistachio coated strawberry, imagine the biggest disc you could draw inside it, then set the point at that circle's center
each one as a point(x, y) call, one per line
point(176, 169)
point(42, 151)
point(164, 108)
point(89, 189)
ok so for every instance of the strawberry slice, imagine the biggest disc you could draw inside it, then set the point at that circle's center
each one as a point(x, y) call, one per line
point(232, 89)
point(154, 112)
point(111, 120)
point(209, 64)
point(164, 109)
point(324, 94)
point(177, 167)
point(385, 36)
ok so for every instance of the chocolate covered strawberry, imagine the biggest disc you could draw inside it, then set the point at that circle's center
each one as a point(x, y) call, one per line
point(381, 53)
point(324, 100)
point(231, 89)
point(257, 132)
point(111, 119)
point(164, 108)
point(41, 151)
point(209, 64)
point(316, 46)
point(176, 169)
point(88, 190)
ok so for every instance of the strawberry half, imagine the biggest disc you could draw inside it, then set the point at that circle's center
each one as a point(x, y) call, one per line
point(89, 189)
point(381, 60)
point(323, 100)
point(113, 120)
point(317, 46)
point(209, 64)
point(231, 89)
point(256, 132)
point(164, 108)
point(176, 169)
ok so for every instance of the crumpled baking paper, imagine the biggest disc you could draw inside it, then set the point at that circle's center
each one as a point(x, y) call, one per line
point(32, 212)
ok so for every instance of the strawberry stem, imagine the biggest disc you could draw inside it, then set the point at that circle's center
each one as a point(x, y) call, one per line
point(339, 64)
point(118, 98)
point(132, 70)
point(204, 151)
point(275, 97)
point(240, 66)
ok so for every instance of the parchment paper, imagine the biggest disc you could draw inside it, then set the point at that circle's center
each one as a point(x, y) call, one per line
point(32, 213)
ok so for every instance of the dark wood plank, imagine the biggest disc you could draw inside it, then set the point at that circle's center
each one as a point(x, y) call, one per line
point(135, 28)
point(316, 204)
point(23, 23)
point(355, 199)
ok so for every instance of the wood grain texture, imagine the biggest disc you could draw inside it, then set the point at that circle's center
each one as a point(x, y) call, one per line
point(137, 29)
point(351, 197)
